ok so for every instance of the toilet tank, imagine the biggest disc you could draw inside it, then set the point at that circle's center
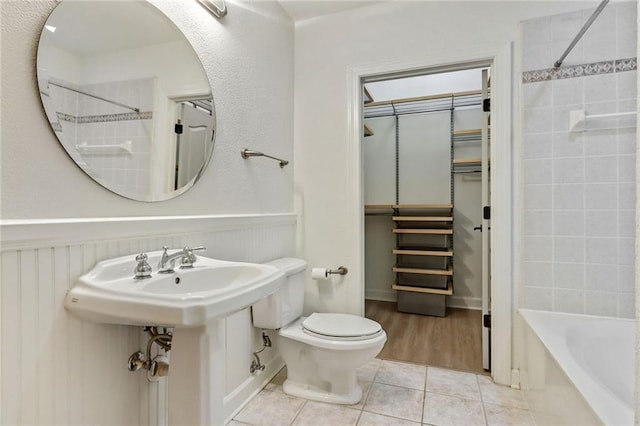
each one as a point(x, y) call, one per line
point(285, 305)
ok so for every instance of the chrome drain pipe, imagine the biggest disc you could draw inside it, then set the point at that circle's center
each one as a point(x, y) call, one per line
point(157, 366)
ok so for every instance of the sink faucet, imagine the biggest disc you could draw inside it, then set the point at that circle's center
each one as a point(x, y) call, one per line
point(186, 256)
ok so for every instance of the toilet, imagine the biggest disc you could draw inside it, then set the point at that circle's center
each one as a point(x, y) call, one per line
point(322, 351)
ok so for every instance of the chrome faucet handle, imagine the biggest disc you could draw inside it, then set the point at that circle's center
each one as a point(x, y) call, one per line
point(189, 258)
point(142, 269)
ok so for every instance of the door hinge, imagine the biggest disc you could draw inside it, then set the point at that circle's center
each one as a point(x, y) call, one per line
point(178, 127)
point(486, 105)
point(486, 320)
point(486, 212)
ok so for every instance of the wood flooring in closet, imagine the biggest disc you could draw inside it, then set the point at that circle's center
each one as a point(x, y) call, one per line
point(453, 341)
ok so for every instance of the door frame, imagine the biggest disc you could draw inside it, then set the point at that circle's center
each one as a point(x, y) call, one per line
point(501, 178)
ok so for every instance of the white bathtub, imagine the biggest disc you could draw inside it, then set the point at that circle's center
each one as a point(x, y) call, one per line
point(597, 355)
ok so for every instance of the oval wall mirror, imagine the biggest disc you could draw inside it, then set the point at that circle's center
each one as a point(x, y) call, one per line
point(127, 97)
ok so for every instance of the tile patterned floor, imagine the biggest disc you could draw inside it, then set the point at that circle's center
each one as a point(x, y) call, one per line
point(396, 393)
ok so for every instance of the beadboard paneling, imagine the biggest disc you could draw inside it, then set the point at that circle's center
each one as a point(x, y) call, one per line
point(57, 369)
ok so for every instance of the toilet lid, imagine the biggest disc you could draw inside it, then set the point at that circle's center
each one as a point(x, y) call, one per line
point(344, 326)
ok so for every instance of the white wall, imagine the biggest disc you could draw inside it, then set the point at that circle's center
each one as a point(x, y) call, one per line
point(326, 50)
point(250, 72)
point(56, 369)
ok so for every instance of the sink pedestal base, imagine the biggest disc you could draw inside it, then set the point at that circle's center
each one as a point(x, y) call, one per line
point(196, 375)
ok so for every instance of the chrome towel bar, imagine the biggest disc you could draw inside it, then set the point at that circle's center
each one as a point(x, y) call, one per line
point(246, 153)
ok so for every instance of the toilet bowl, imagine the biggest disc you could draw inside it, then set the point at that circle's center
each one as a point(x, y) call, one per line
point(323, 351)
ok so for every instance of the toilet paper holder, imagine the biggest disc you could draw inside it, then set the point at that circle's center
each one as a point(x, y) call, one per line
point(342, 270)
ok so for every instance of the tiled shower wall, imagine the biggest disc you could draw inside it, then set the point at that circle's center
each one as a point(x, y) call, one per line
point(579, 187)
point(86, 120)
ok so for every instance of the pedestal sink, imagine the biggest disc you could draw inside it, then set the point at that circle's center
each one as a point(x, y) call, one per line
point(192, 301)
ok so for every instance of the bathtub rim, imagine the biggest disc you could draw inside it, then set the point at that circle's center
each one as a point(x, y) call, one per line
point(600, 399)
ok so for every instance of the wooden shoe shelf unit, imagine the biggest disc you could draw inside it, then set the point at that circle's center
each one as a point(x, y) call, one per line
point(424, 256)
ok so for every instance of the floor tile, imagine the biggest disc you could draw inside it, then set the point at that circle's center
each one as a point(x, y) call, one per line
point(366, 387)
point(371, 419)
point(453, 383)
point(507, 416)
point(445, 410)
point(402, 374)
point(367, 372)
point(395, 401)
point(318, 413)
point(270, 408)
point(501, 395)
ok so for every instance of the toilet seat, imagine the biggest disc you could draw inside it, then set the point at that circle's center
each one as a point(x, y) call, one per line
point(340, 327)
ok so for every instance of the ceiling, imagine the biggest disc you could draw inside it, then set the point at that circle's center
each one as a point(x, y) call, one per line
point(299, 10)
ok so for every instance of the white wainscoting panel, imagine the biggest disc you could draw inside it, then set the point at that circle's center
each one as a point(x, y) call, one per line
point(57, 369)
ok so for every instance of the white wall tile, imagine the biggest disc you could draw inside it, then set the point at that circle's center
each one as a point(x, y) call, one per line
point(569, 196)
point(601, 277)
point(537, 222)
point(571, 301)
point(601, 196)
point(568, 91)
point(569, 275)
point(537, 95)
point(568, 144)
point(568, 249)
point(626, 251)
point(601, 250)
point(537, 171)
point(538, 248)
point(626, 223)
point(537, 120)
point(538, 197)
point(600, 303)
point(627, 85)
point(603, 142)
point(601, 223)
point(627, 168)
point(626, 305)
point(601, 169)
point(538, 145)
point(626, 195)
point(626, 279)
point(568, 223)
point(538, 274)
point(538, 298)
point(568, 170)
point(600, 88)
point(626, 28)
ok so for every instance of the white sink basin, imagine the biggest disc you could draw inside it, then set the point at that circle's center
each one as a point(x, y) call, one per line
point(110, 294)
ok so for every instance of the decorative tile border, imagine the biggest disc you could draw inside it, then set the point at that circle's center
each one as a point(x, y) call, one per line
point(103, 118)
point(582, 70)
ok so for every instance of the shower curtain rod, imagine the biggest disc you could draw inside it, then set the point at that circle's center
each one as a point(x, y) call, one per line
point(53, 83)
point(584, 28)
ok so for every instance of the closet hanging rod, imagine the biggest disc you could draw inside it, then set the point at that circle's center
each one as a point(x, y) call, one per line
point(578, 36)
point(53, 83)
point(424, 98)
point(246, 153)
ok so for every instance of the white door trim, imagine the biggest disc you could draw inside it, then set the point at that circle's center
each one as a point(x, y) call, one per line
point(501, 187)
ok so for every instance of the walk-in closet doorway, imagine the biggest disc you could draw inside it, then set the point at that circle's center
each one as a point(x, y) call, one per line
point(425, 157)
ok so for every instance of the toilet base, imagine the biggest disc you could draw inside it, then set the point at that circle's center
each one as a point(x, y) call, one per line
point(313, 393)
